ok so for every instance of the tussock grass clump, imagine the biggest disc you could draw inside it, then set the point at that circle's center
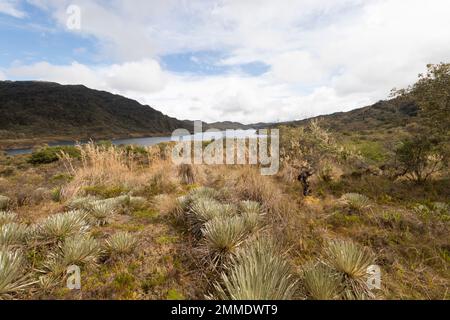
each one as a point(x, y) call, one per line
point(13, 234)
point(80, 250)
point(7, 217)
point(60, 226)
point(100, 166)
point(12, 278)
point(352, 261)
point(257, 272)
point(137, 202)
point(222, 236)
point(321, 282)
point(4, 202)
point(121, 243)
point(186, 174)
point(356, 201)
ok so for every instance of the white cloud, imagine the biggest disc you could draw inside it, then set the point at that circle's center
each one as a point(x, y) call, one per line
point(323, 55)
point(10, 7)
point(140, 76)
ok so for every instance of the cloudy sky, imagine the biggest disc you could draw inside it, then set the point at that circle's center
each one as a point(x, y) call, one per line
point(240, 60)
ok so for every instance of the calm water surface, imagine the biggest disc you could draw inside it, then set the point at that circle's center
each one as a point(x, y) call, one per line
point(151, 141)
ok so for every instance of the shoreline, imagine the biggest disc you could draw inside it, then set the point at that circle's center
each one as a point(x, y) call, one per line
point(31, 143)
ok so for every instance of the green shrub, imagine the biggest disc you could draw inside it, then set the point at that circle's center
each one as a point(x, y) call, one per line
point(105, 192)
point(52, 154)
point(173, 294)
point(421, 158)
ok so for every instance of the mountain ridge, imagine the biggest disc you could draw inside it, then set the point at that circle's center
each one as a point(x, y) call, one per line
point(36, 112)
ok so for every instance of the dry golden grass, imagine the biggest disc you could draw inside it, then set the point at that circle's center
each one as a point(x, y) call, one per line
point(403, 240)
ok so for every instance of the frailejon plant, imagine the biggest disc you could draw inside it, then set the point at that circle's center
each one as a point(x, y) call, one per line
point(257, 272)
point(101, 211)
point(121, 243)
point(13, 234)
point(351, 261)
point(60, 226)
point(222, 236)
point(321, 282)
point(204, 192)
point(80, 250)
point(355, 201)
point(83, 203)
point(203, 210)
point(12, 277)
point(7, 217)
point(252, 215)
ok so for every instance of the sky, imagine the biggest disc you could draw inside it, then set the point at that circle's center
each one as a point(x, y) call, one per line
point(238, 60)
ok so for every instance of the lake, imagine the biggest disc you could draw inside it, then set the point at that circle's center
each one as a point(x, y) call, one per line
point(151, 141)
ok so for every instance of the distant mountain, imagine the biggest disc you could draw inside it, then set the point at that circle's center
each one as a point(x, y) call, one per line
point(382, 115)
point(34, 112)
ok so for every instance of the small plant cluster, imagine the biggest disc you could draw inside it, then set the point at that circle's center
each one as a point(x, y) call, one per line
point(341, 274)
point(100, 211)
point(355, 201)
point(433, 210)
point(40, 254)
point(230, 239)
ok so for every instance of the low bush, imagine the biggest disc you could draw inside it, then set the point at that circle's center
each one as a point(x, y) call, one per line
point(52, 154)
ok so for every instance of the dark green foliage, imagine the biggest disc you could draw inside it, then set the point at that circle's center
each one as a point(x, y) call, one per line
point(105, 192)
point(52, 154)
point(420, 158)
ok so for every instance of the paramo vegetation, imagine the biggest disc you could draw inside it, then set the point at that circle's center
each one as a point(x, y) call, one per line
point(140, 227)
